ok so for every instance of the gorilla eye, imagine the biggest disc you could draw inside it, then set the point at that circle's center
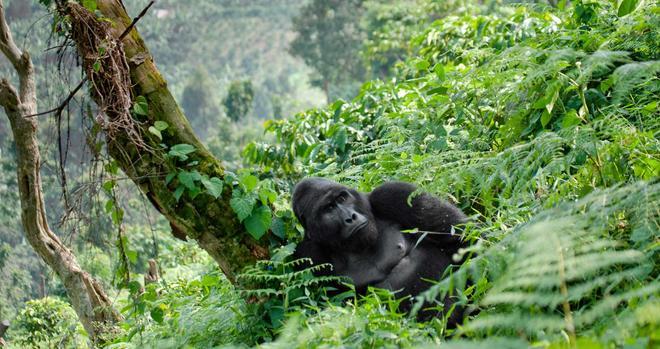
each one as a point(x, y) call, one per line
point(342, 197)
point(330, 206)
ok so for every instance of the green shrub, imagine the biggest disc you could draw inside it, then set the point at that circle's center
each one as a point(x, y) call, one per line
point(48, 323)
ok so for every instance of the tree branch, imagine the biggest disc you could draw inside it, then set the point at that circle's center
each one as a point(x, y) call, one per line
point(8, 95)
point(20, 60)
point(7, 45)
point(93, 306)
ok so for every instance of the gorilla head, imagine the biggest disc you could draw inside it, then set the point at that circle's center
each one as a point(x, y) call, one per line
point(334, 215)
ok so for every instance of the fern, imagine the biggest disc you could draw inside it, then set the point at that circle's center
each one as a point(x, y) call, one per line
point(281, 289)
point(545, 131)
point(558, 263)
point(562, 273)
point(631, 76)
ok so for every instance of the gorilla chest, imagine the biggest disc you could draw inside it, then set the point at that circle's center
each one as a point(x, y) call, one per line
point(374, 264)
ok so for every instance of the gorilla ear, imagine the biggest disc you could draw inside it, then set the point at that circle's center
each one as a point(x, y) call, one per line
point(301, 219)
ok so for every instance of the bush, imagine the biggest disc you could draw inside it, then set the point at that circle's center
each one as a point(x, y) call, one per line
point(48, 323)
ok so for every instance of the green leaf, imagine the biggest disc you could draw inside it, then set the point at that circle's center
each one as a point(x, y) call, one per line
point(210, 280)
point(108, 186)
point(545, 118)
point(278, 228)
point(181, 151)
point(112, 167)
point(187, 179)
point(242, 205)
point(627, 6)
point(283, 252)
point(422, 65)
point(96, 66)
point(439, 70)
point(651, 106)
point(89, 5)
point(157, 314)
point(551, 103)
point(340, 139)
point(442, 90)
point(155, 132)
point(178, 192)
point(194, 192)
point(570, 119)
point(258, 222)
point(267, 195)
point(132, 256)
point(169, 177)
point(161, 125)
point(117, 216)
point(276, 315)
point(213, 186)
point(336, 107)
point(109, 205)
point(249, 182)
point(141, 107)
point(134, 287)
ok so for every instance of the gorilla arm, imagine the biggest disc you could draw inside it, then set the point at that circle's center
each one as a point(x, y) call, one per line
point(427, 213)
point(310, 249)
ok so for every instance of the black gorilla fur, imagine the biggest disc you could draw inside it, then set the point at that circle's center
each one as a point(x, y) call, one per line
point(359, 234)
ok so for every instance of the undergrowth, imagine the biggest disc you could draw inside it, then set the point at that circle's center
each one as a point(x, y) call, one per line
point(542, 123)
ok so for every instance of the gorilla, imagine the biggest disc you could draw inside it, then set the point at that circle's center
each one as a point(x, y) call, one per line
point(360, 235)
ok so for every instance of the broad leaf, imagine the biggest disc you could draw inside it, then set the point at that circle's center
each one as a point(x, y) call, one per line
point(242, 205)
point(249, 182)
point(161, 125)
point(187, 179)
point(258, 222)
point(140, 107)
point(213, 186)
point(181, 151)
point(155, 132)
point(627, 6)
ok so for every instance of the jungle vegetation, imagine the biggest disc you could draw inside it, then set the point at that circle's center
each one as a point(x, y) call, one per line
point(539, 119)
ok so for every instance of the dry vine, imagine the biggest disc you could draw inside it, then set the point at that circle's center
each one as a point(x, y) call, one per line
point(107, 70)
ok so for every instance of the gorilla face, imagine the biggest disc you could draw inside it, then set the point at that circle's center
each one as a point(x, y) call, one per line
point(333, 214)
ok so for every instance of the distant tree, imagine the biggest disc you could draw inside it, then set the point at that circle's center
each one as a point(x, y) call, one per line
point(198, 103)
point(329, 40)
point(389, 26)
point(239, 99)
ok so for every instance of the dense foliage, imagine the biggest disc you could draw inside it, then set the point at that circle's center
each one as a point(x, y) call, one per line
point(539, 119)
point(543, 124)
point(48, 323)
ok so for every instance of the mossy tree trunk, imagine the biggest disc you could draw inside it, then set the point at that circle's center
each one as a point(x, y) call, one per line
point(88, 298)
point(128, 66)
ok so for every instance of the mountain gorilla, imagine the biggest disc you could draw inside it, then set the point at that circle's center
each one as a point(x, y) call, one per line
point(359, 234)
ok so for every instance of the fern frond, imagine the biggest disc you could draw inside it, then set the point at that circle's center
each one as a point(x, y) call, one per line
point(600, 63)
point(632, 75)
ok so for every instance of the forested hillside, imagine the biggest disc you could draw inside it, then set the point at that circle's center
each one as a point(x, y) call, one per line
point(538, 119)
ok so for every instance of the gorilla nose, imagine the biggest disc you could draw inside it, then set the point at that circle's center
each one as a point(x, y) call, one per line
point(351, 218)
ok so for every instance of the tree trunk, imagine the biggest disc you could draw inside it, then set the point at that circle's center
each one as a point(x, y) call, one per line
point(90, 302)
point(129, 69)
